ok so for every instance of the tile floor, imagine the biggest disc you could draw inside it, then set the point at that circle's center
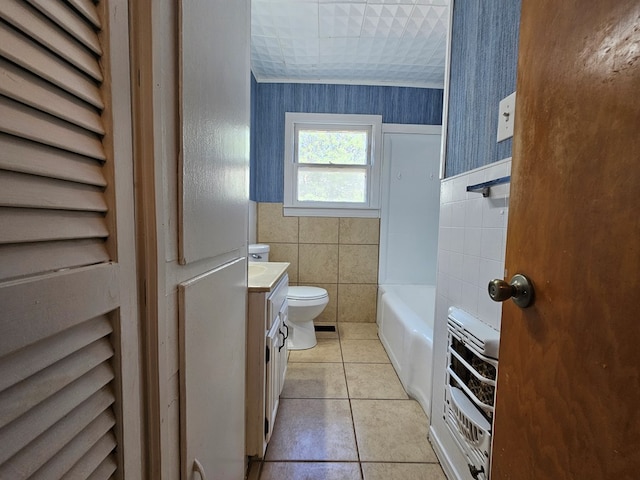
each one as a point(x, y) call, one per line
point(344, 415)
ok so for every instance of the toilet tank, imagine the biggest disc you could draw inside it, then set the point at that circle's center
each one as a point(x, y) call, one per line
point(258, 252)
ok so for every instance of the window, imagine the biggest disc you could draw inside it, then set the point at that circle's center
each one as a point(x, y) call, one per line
point(332, 165)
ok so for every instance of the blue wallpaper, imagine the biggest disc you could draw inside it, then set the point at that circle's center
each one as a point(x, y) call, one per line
point(484, 53)
point(252, 138)
point(272, 100)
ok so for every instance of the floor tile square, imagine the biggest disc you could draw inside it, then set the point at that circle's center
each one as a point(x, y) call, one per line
point(358, 331)
point(391, 431)
point(315, 380)
point(373, 380)
point(363, 351)
point(310, 471)
point(404, 471)
point(326, 350)
point(313, 429)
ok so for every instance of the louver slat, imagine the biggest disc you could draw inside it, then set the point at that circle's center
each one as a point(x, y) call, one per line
point(70, 22)
point(26, 122)
point(34, 25)
point(27, 361)
point(88, 449)
point(52, 313)
point(30, 191)
point(104, 470)
point(25, 395)
point(21, 225)
point(24, 87)
point(38, 60)
point(24, 156)
point(18, 434)
point(47, 445)
point(50, 256)
point(88, 10)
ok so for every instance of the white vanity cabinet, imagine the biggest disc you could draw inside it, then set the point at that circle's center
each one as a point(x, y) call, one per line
point(267, 350)
point(276, 365)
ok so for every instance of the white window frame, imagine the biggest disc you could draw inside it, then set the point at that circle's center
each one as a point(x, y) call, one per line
point(371, 207)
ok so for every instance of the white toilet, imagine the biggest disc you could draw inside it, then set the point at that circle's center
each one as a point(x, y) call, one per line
point(305, 304)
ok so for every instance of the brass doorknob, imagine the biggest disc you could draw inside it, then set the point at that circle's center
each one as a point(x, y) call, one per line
point(519, 289)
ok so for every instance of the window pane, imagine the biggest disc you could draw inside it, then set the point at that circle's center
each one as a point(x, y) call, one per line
point(332, 147)
point(337, 185)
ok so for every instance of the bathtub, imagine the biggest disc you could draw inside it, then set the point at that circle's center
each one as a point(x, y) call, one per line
point(405, 327)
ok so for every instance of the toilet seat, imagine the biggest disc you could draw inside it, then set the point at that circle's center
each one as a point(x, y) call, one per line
point(303, 293)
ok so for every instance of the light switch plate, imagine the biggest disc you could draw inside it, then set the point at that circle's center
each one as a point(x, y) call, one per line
point(506, 116)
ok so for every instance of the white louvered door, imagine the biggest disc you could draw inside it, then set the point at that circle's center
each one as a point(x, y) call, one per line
point(69, 355)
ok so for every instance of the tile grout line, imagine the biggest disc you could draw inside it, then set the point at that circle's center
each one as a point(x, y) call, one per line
point(353, 421)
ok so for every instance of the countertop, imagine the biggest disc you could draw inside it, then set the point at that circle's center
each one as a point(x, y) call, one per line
point(263, 276)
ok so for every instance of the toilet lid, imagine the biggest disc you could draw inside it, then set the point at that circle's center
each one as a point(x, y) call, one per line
point(306, 293)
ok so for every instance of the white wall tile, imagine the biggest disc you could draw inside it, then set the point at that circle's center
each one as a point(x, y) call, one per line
point(456, 240)
point(444, 261)
point(504, 240)
point(501, 191)
point(455, 291)
point(474, 178)
point(446, 191)
point(490, 269)
point(459, 189)
point(456, 265)
point(446, 211)
point(471, 269)
point(494, 213)
point(442, 308)
point(472, 241)
point(469, 301)
point(442, 286)
point(489, 311)
point(443, 238)
point(473, 212)
point(492, 244)
point(497, 170)
point(458, 214)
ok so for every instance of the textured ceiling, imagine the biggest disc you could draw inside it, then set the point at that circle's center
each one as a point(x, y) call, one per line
point(369, 42)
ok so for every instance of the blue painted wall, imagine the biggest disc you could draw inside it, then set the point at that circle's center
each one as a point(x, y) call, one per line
point(484, 53)
point(270, 101)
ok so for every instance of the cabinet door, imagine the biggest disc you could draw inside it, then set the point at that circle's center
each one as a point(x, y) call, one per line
point(212, 328)
point(283, 349)
point(272, 387)
point(215, 111)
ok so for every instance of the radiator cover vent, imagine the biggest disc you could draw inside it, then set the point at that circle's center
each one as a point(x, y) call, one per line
point(478, 335)
point(472, 370)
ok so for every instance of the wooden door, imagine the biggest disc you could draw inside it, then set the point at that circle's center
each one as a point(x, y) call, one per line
point(69, 356)
point(568, 398)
